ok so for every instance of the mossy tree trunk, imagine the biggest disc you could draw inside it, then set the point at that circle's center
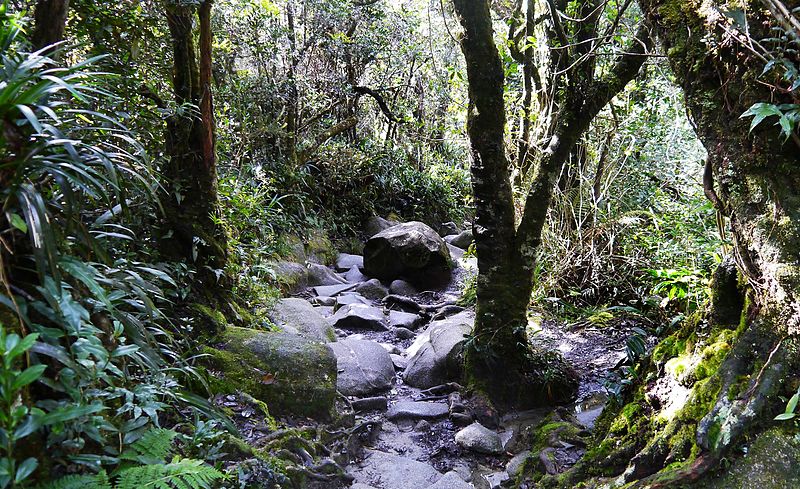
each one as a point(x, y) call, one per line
point(193, 232)
point(753, 179)
point(499, 358)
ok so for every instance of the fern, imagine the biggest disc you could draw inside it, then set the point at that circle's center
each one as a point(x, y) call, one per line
point(96, 481)
point(152, 448)
point(179, 474)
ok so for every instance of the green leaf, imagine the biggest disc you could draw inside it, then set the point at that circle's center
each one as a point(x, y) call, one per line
point(792, 405)
point(759, 112)
point(18, 222)
point(25, 469)
point(27, 376)
point(784, 416)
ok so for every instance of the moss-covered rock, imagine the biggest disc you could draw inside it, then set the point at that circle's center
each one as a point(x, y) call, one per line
point(770, 463)
point(291, 374)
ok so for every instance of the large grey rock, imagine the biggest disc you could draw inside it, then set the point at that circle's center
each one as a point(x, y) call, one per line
point(359, 316)
point(414, 410)
point(332, 290)
point(363, 366)
point(400, 319)
point(388, 471)
point(480, 439)
point(375, 225)
point(322, 275)
point(435, 356)
point(292, 374)
point(345, 262)
point(354, 276)
point(290, 276)
point(350, 298)
point(372, 289)
point(451, 480)
point(448, 228)
point(401, 287)
point(462, 240)
point(412, 251)
point(298, 315)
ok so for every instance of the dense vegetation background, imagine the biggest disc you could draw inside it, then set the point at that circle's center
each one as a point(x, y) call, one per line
point(141, 215)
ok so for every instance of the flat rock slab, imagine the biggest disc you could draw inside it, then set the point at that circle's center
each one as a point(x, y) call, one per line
point(480, 439)
point(363, 366)
point(388, 471)
point(300, 317)
point(345, 262)
point(413, 410)
point(359, 316)
point(451, 480)
point(332, 290)
point(350, 298)
point(399, 319)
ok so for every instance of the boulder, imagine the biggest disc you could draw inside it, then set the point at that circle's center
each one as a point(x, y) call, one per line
point(514, 466)
point(401, 287)
point(290, 276)
point(451, 480)
point(448, 228)
point(403, 334)
point(435, 356)
point(322, 275)
point(345, 262)
point(354, 276)
point(299, 316)
point(375, 225)
point(770, 463)
point(463, 239)
point(359, 316)
point(363, 367)
point(290, 373)
point(480, 439)
point(389, 471)
point(350, 298)
point(400, 319)
point(415, 410)
point(372, 289)
point(412, 251)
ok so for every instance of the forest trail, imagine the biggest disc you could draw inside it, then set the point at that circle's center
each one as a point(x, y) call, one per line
point(441, 436)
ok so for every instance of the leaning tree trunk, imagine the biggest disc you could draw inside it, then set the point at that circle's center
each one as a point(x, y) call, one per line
point(50, 19)
point(499, 359)
point(193, 231)
point(754, 180)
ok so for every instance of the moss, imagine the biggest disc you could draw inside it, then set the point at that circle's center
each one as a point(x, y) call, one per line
point(290, 374)
point(211, 321)
point(626, 418)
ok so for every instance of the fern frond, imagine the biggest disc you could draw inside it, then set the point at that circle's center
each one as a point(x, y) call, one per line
point(96, 481)
point(153, 447)
point(179, 474)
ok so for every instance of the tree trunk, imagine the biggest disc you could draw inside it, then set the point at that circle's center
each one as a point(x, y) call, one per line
point(292, 97)
point(758, 188)
point(50, 20)
point(499, 359)
point(191, 205)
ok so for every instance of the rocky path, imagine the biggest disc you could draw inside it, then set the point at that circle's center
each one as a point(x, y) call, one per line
point(397, 348)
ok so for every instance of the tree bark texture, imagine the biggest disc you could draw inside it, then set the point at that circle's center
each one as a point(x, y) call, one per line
point(754, 179)
point(50, 20)
point(193, 232)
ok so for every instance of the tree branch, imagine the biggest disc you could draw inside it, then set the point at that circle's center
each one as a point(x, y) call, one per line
point(379, 99)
